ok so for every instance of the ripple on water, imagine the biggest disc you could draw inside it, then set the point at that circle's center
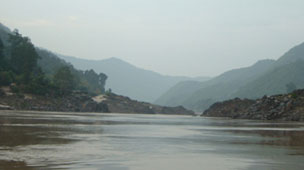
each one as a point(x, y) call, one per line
point(45, 140)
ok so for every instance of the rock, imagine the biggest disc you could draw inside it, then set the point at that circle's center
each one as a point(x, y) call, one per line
point(278, 107)
point(231, 108)
point(80, 102)
point(70, 103)
point(5, 107)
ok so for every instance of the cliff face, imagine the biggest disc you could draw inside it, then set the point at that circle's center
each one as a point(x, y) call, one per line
point(80, 102)
point(288, 107)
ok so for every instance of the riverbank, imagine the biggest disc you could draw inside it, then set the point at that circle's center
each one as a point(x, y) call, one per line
point(286, 107)
point(81, 102)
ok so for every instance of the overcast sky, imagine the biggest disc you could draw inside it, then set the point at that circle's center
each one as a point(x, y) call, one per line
point(173, 37)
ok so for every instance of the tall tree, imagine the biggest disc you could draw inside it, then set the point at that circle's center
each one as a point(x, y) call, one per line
point(96, 82)
point(2, 59)
point(23, 57)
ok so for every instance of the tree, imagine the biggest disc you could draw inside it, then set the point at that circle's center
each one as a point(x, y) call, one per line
point(39, 84)
point(6, 78)
point(64, 80)
point(109, 91)
point(102, 81)
point(290, 87)
point(95, 82)
point(2, 59)
point(23, 56)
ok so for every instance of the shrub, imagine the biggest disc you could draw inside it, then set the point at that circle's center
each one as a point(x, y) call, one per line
point(6, 78)
point(15, 89)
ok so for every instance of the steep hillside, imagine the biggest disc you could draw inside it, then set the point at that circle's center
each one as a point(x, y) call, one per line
point(274, 81)
point(49, 62)
point(266, 77)
point(18, 53)
point(200, 96)
point(292, 55)
point(288, 69)
point(128, 80)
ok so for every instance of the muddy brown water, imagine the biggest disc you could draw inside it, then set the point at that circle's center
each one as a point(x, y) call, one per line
point(45, 140)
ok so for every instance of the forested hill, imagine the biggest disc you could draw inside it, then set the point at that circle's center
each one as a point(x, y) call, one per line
point(129, 80)
point(28, 69)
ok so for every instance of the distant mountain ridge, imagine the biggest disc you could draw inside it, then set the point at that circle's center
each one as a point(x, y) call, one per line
point(202, 94)
point(294, 54)
point(123, 78)
point(266, 77)
point(129, 80)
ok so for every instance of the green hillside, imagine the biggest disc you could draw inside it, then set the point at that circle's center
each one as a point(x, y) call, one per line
point(38, 71)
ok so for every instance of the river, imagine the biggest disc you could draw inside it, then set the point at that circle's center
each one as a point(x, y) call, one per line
point(45, 140)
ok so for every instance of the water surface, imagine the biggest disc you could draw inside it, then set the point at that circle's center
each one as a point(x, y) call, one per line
point(43, 140)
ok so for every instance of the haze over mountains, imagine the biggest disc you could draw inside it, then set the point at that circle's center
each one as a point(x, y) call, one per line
point(123, 78)
point(129, 80)
point(266, 77)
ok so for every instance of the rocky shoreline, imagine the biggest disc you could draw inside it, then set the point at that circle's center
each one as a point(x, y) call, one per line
point(80, 102)
point(71, 103)
point(286, 107)
point(122, 104)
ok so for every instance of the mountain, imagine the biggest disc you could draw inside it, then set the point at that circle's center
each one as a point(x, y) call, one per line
point(128, 80)
point(177, 94)
point(293, 55)
point(266, 77)
point(200, 95)
point(287, 69)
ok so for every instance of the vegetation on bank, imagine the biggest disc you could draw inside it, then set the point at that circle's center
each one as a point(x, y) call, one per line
point(27, 69)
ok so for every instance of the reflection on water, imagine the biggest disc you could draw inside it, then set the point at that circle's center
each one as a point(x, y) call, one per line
point(14, 165)
point(276, 137)
point(33, 140)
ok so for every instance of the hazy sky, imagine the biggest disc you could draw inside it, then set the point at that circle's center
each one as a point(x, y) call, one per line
point(174, 37)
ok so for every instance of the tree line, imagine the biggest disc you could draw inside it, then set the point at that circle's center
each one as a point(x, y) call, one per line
point(22, 68)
